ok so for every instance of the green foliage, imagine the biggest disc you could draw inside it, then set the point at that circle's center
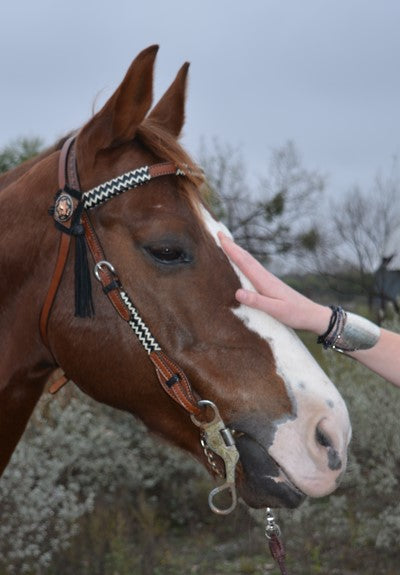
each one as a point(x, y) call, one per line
point(19, 151)
point(310, 239)
point(275, 206)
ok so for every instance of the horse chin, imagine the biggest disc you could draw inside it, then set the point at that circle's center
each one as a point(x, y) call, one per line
point(261, 482)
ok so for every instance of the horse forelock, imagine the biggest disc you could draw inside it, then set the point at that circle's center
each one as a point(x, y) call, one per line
point(167, 148)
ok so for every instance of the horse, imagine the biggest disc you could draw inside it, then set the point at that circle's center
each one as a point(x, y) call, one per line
point(158, 239)
point(386, 288)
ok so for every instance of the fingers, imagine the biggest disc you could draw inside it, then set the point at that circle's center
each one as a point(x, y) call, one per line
point(251, 268)
point(273, 296)
point(264, 281)
point(273, 306)
point(252, 299)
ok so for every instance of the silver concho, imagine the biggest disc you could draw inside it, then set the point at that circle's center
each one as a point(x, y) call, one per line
point(63, 208)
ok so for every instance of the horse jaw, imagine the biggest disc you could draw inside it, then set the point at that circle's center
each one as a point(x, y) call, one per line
point(308, 447)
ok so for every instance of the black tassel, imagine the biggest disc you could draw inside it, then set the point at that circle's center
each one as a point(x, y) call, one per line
point(83, 285)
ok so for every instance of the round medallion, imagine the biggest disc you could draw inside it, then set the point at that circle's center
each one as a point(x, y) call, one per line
point(63, 208)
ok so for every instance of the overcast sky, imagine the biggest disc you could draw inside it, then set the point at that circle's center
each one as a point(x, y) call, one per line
point(323, 73)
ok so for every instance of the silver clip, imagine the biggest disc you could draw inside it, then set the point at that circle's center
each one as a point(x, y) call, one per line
point(220, 440)
point(271, 527)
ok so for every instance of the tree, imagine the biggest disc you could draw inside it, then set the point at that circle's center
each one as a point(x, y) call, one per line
point(274, 220)
point(361, 233)
point(18, 151)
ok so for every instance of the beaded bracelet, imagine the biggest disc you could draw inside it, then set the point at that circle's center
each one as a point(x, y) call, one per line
point(348, 332)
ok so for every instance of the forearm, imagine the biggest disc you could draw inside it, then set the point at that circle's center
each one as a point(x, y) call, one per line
point(384, 357)
point(288, 306)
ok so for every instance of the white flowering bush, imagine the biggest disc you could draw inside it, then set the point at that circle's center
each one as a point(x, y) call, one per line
point(73, 452)
point(84, 466)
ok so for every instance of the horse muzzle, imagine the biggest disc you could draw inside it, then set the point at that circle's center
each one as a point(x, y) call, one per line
point(261, 481)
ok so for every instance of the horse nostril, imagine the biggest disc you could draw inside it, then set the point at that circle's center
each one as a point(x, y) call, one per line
point(322, 438)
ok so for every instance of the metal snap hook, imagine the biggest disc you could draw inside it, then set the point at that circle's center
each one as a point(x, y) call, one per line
point(218, 438)
point(100, 265)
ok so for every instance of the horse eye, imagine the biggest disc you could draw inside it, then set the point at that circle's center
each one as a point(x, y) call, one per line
point(168, 254)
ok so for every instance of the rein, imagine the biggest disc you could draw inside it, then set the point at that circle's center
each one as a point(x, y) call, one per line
point(70, 213)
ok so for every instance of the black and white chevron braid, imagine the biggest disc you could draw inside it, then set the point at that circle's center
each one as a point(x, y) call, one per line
point(116, 186)
point(139, 327)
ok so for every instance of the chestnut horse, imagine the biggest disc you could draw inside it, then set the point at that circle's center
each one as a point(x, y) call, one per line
point(291, 425)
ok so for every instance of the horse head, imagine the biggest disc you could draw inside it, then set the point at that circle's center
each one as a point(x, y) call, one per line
point(290, 423)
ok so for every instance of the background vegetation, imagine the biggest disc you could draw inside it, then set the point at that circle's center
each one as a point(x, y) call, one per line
point(89, 492)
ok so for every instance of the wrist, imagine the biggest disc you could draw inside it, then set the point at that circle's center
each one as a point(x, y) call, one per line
point(349, 332)
point(318, 319)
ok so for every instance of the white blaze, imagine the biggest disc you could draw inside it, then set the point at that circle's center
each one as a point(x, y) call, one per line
point(315, 399)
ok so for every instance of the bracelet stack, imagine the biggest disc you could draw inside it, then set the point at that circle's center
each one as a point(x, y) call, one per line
point(348, 332)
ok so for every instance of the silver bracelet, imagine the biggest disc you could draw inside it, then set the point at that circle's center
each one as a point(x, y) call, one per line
point(349, 332)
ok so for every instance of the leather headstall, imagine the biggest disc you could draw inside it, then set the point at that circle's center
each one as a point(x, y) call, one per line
point(70, 213)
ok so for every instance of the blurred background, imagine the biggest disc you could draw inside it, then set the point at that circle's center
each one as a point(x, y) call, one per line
point(292, 110)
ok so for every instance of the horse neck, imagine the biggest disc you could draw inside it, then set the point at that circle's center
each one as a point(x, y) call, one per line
point(13, 175)
point(28, 247)
point(8, 178)
point(28, 243)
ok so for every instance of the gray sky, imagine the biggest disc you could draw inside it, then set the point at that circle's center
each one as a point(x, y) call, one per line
point(323, 73)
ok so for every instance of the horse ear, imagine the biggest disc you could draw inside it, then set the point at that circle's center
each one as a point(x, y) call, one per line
point(169, 113)
point(119, 118)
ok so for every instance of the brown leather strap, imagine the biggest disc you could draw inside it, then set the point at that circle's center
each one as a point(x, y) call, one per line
point(106, 277)
point(62, 162)
point(63, 249)
point(174, 381)
point(58, 383)
point(278, 552)
point(162, 169)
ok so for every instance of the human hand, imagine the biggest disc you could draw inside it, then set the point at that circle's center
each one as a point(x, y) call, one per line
point(273, 296)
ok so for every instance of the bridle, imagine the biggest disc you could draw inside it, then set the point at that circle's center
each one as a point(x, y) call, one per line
point(71, 217)
point(70, 213)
